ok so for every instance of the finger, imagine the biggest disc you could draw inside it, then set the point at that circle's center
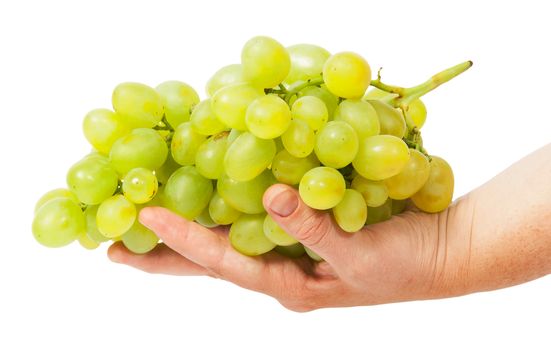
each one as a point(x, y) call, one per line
point(162, 259)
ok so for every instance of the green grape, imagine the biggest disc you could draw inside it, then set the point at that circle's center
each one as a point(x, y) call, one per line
point(246, 196)
point(102, 128)
point(331, 101)
point(380, 213)
point(398, 206)
point(170, 166)
point(204, 219)
point(178, 100)
point(53, 194)
point(360, 115)
point(140, 185)
point(247, 235)
point(86, 242)
point(209, 159)
point(391, 119)
point(380, 157)
point(351, 212)
point(268, 117)
point(437, 192)
point(265, 62)
point(313, 255)
point(312, 110)
point(417, 112)
point(276, 234)
point(347, 75)
point(204, 121)
point(306, 62)
point(378, 94)
point(187, 192)
point(375, 193)
point(139, 105)
point(225, 76)
point(322, 188)
point(412, 177)
point(115, 216)
point(139, 239)
point(91, 226)
point(289, 170)
point(221, 212)
point(230, 104)
point(291, 251)
point(299, 139)
point(248, 156)
point(142, 148)
point(92, 180)
point(58, 222)
point(185, 143)
point(233, 135)
point(336, 144)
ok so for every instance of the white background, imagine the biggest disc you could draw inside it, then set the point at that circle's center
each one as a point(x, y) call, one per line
point(60, 59)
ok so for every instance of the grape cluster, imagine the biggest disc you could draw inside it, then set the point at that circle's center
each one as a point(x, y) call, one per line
point(296, 115)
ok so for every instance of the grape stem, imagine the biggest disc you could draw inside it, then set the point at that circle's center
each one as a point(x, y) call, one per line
point(295, 90)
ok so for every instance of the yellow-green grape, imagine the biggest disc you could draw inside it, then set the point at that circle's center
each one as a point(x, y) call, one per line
point(347, 75)
point(279, 144)
point(115, 216)
point(91, 226)
point(204, 219)
point(245, 196)
point(417, 112)
point(312, 110)
point(142, 148)
point(233, 135)
point(185, 143)
point(398, 206)
point(378, 94)
point(227, 75)
point(380, 213)
point(92, 180)
point(381, 156)
point(170, 166)
point(230, 104)
point(140, 185)
point(391, 119)
point(247, 235)
point(248, 156)
point(289, 170)
point(336, 144)
point(102, 128)
point(312, 254)
point(204, 121)
point(276, 234)
point(178, 100)
point(360, 115)
point(375, 193)
point(306, 62)
point(139, 105)
point(221, 212)
point(411, 178)
point(209, 159)
point(299, 139)
point(331, 101)
point(322, 188)
point(58, 222)
point(53, 194)
point(265, 62)
point(86, 242)
point(291, 251)
point(268, 117)
point(139, 239)
point(437, 193)
point(351, 212)
point(187, 192)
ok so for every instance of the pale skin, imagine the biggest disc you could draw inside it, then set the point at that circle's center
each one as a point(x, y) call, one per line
point(496, 236)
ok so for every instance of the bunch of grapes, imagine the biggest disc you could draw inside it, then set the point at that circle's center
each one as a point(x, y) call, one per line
point(297, 115)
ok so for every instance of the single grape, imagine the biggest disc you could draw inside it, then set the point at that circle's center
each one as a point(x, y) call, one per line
point(185, 143)
point(312, 110)
point(380, 157)
point(139, 105)
point(92, 180)
point(306, 62)
point(247, 236)
point(322, 188)
point(204, 219)
point(139, 239)
point(378, 94)
point(225, 76)
point(91, 226)
point(417, 112)
point(163, 173)
point(246, 196)
point(268, 117)
point(233, 135)
point(360, 115)
point(102, 128)
point(347, 75)
point(209, 159)
point(58, 222)
point(313, 255)
point(437, 192)
point(204, 121)
point(115, 216)
point(140, 185)
point(187, 192)
point(230, 104)
point(248, 156)
point(221, 212)
point(351, 212)
point(265, 62)
point(375, 193)
point(291, 251)
point(276, 234)
point(299, 139)
point(86, 242)
point(412, 177)
point(336, 144)
point(53, 194)
point(380, 213)
point(331, 101)
point(142, 148)
point(178, 100)
point(289, 170)
point(391, 119)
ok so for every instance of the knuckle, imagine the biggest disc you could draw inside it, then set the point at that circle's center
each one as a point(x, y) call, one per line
point(314, 229)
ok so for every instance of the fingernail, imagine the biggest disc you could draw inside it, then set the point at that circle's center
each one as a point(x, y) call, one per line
point(284, 203)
